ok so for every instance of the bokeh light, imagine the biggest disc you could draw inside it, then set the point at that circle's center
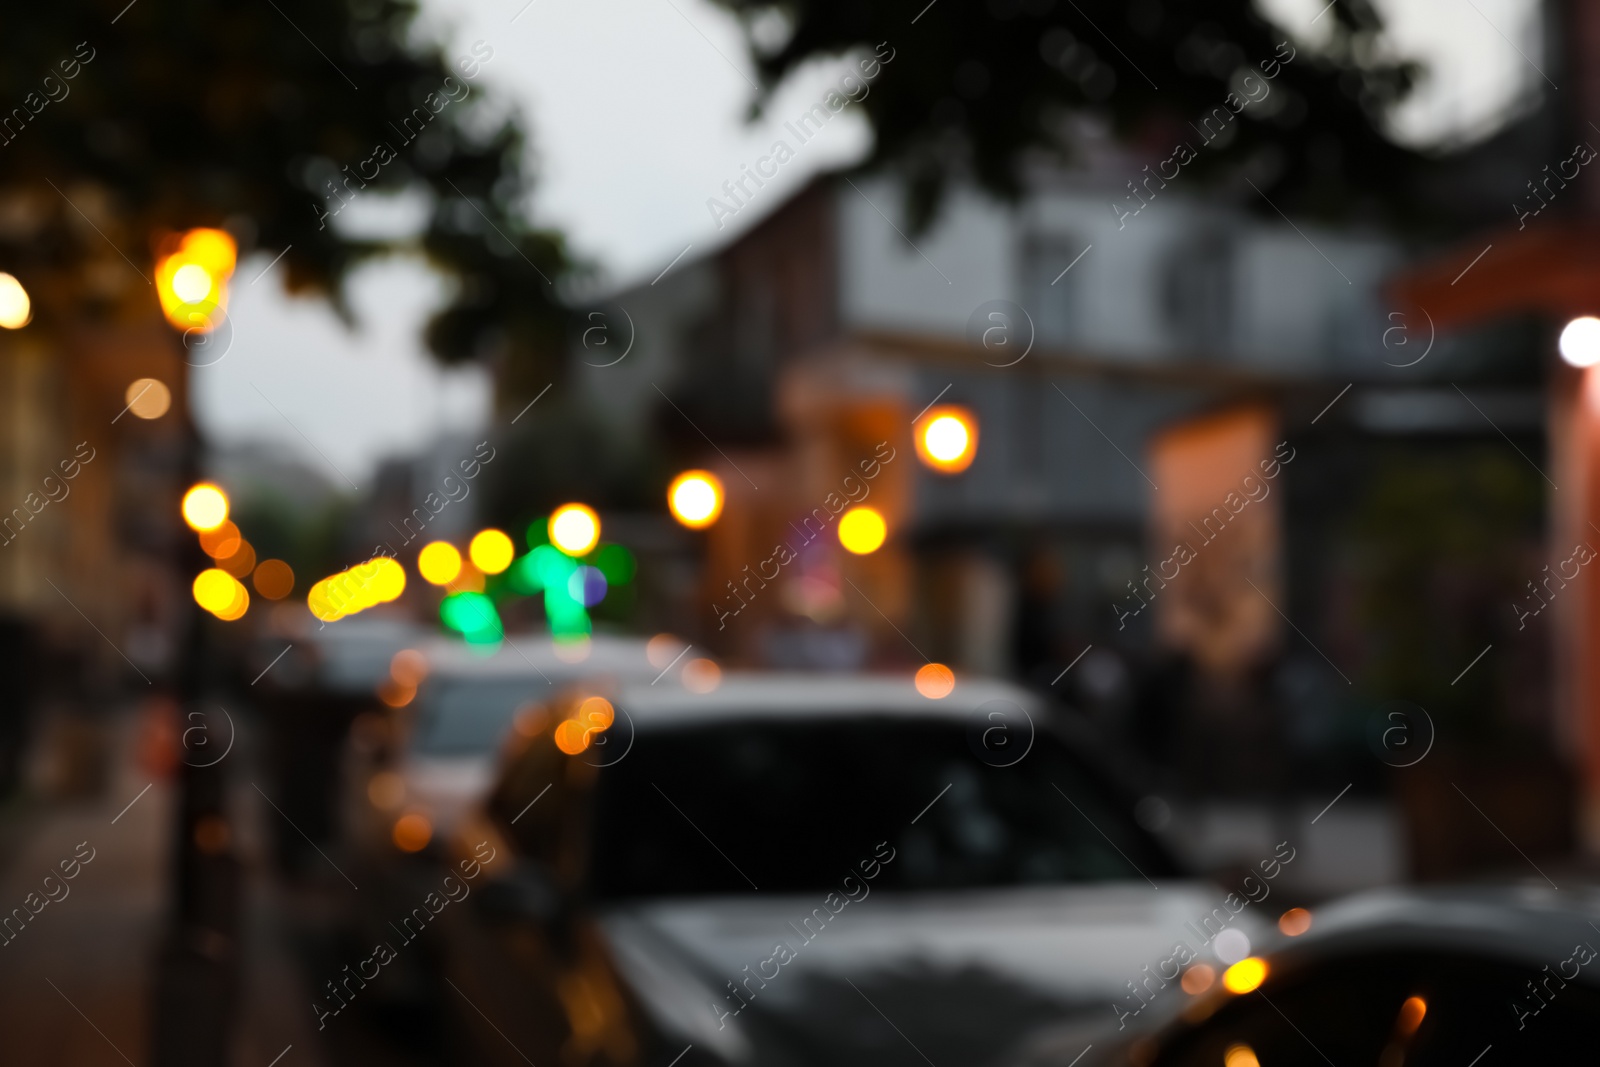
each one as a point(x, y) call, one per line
point(16, 309)
point(408, 667)
point(862, 530)
point(1294, 922)
point(574, 529)
point(935, 680)
point(1411, 1013)
point(572, 737)
point(222, 541)
point(273, 579)
point(412, 832)
point(1198, 979)
point(491, 551)
point(241, 561)
point(365, 585)
point(205, 507)
point(439, 563)
point(1580, 341)
point(1240, 1056)
point(214, 590)
point(946, 438)
point(701, 675)
point(192, 281)
point(1245, 976)
point(663, 649)
point(148, 398)
point(695, 498)
point(587, 585)
point(1231, 945)
point(386, 790)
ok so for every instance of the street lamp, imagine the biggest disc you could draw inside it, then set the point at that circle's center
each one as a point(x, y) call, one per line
point(947, 439)
point(695, 498)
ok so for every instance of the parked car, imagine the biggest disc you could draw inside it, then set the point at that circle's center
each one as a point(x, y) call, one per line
point(1455, 976)
point(410, 772)
point(804, 870)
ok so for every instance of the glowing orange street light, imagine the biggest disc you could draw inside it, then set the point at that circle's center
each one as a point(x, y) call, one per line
point(439, 562)
point(695, 498)
point(192, 279)
point(205, 507)
point(947, 438)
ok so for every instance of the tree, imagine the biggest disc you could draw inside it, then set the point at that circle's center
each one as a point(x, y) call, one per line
point(127, 120)
point(982, 90)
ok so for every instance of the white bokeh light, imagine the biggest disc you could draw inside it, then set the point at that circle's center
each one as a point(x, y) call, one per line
point(1580, 341)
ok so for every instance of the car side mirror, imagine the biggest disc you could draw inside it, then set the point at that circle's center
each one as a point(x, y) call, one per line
point(527, 894)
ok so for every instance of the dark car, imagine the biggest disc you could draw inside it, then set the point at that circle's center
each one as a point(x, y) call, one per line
point(1437, 978)
point(801, 870)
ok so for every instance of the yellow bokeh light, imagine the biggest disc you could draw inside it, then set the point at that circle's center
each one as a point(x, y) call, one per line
point(1246, 975)
point(439, 563)
point(1240, 1056)
point(935, 680)
point(862, 530)
point(192, 281)
point(491, 551)
point(213, 589)
point(574, 529)
point(365, 585)
point(240, 605)
point(947, 439)
point(695, 498)
point(148, 398)
point(16, 309)
point(205, 507)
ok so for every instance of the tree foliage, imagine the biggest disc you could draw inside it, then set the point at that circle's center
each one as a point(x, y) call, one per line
point(121, 122)
point(979, 90)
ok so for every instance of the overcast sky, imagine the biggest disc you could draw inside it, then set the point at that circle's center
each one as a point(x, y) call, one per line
point(637, 113)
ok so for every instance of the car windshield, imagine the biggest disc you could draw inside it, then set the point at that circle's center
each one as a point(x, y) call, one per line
point(467, 717)
point(796, 806)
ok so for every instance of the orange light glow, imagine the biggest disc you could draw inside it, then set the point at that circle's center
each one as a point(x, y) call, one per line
point(412, 832)
point(701, 676)
point(572, 737)
point(1198, 979)
point(596, 713)
point(1411, 1013)
point(1294, 922)
point(274, 579)
point(219, 593)
point(947, 438)
point(1240, 1056)
point(241, 561)
point(396, 695)
point(695, 498)
point(935, 680)
point(663, 650)
point(1245, 976)
point(491, 551)
point(16, 309)
point(205, 507)
point(862, 530)
point(221, 542)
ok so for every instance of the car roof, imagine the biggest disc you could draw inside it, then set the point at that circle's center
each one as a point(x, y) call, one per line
point(774, 695)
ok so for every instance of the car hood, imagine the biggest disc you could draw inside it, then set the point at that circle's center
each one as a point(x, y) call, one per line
point(963, 977)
